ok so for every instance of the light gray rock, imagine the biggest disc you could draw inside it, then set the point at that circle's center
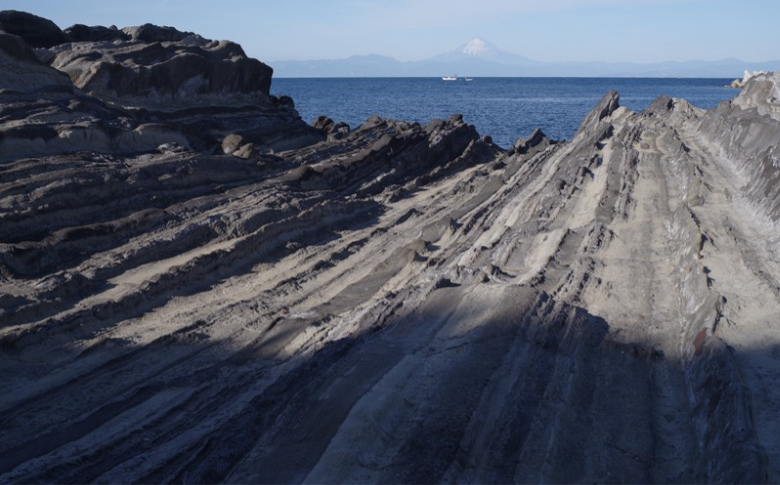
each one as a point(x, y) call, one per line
point(247, 151)
point(231, 143)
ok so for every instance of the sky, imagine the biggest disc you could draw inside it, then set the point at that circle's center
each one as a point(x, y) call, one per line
point(641, 31)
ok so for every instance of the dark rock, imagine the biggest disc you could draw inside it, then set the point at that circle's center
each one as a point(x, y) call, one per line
point(323, 124)
point(159, 73)
point(154, 33)
point(339, 131)
point(537, 142)
point(36, 31)
point(283, 101)
point(22, 72)
point(16, 48)
point(145, 87)
point(333, 130)
point(84, 33)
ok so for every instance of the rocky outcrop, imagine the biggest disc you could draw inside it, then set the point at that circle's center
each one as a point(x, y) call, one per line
point(42, 114)
point(163, 72)
point(746, 131)
point(36, 31)
point(534, 144)
point(23, 73)
point(97, 33)
point(394, 303)
point(149, 33)
point(329, 128)
point(132, 90)
point(741, 83)
point(207, 89)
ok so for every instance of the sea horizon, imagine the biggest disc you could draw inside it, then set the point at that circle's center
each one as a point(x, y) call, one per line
point(505, 108)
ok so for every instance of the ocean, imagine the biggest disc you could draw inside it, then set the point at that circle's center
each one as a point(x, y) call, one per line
point(504, 108)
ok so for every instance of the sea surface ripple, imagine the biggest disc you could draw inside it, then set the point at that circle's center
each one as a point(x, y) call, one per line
point(504, 108)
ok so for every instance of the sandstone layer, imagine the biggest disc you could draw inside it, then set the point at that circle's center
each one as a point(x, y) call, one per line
point(397, 303)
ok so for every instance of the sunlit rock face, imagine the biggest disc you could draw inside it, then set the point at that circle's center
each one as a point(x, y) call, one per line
point(209, 290)
point(182, 70)
point(123, 91)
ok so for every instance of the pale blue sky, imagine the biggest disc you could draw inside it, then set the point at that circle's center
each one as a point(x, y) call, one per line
point(544, 30)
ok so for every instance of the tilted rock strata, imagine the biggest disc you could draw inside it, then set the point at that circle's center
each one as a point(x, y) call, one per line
point(399, 303)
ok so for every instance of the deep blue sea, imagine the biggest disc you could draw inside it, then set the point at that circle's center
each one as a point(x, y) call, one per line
point(505, 108)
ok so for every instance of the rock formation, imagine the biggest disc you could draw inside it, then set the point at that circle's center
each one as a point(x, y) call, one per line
point(204, 289)
point(741, 83)
point(147, 86)
point(36, 31)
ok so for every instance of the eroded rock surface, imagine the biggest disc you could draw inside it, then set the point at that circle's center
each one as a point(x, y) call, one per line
point(396, 303)
point(134, 90)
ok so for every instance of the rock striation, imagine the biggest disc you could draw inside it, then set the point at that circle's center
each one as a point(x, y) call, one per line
point(133, 90)
point(205, 289)
point(177, 69)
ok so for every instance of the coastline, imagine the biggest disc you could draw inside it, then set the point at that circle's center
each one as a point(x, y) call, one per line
point(199, 286)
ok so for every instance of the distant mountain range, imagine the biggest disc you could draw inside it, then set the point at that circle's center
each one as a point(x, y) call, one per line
point(481, 58)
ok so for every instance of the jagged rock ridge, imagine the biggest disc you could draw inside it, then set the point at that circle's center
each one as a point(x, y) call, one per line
point(399, 303)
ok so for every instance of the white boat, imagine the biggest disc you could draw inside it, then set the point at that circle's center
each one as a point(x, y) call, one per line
point(450, 78)
point(469, 79)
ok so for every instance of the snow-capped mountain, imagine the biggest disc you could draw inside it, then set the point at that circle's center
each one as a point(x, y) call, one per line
point(481, 49)
point(479, 57)
point(478, 48)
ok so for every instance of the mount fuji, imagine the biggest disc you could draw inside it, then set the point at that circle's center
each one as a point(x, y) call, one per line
point(478, 57)
point(481, 50)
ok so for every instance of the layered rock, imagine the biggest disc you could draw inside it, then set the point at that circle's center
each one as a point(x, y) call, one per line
point(36, 31)
point(746, 131)
point(395, 303)
point(164, 73)
point(133, 90)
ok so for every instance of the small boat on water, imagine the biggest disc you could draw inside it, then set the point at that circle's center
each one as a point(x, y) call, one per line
point(450, 78)
point(469, 79)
